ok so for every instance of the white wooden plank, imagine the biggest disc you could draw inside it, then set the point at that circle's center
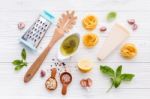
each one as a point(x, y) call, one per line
point(133, 93)
point(9, 52)
point(13, 11)
point(9, 23)
point(14, 81)
point(106, 5)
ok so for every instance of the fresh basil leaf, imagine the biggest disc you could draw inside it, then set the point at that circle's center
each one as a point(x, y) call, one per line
point(107, 71)
point(116, 77)
point(117, 82)
point(20, 63)
point(111, 16)
point(25, 63)
point(118, 71)
point(17, 68)
point(17, 62)
point(23, 54)
point(127, 77)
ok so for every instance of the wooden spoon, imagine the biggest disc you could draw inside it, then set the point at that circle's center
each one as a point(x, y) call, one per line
point(64, 25)
point(51, 82)
point(65, 79)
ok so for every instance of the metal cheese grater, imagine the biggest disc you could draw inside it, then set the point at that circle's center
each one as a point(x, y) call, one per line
point(33, 36)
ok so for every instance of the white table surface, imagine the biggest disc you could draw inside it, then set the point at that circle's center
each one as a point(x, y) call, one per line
point(14, 11)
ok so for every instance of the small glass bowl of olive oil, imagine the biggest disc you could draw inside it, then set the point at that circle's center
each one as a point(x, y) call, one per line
point(69, 46)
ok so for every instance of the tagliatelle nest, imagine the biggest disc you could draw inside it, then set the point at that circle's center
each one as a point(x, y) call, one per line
point(90, 40)
point(129, 50)
point(89, 22)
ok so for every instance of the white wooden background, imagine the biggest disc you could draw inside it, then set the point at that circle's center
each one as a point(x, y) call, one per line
point(14, 11)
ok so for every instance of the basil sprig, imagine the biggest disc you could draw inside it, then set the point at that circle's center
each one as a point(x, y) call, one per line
point(116, 77)
point(20, 63)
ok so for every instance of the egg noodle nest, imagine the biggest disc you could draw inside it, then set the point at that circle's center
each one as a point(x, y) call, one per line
point(129, 50)
point(90, 40)
point(90, 22)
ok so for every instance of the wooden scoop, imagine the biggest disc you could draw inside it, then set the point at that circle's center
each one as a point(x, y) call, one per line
point(51, 82)
point(64, 25)
point(65, 79)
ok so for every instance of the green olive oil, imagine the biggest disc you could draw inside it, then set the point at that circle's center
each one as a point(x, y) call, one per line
point(69, 45)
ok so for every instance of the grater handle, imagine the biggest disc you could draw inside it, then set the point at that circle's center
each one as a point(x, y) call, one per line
point(36, 65)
